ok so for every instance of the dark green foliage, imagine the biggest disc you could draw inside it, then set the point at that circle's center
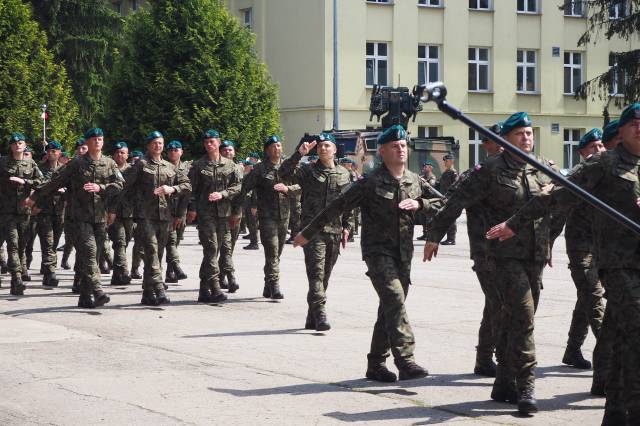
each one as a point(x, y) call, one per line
point(29, 77)
point(82, 34)
point(187, 66)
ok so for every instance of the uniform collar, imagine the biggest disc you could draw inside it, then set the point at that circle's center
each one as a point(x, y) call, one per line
point(626, 156)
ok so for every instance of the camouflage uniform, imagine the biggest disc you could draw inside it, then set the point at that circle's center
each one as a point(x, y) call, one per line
point(120, 233)
point(213, 217)
point(446, 180)
point(387, 249)
point(250, 201)
point(142, 179)
point(320, 185)
point(50, 224)
point(422, 217)
point(14, 216)
point(273, 214)
point(611, 176)
point(178, 204)
point(88, 211)
point(295, 213)
point(498, 189)
point(227, 244)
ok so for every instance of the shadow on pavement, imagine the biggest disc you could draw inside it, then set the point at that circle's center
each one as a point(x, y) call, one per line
point(250, 333)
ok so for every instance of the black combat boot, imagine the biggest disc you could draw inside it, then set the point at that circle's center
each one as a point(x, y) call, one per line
point(251, 246)
point(75, 288)
point(410, 370)
point(527, 403)
point(42, 271)
point(104, 266)
point(484, 366)
point(86, 301)
point(65, 261)
point(266, 291)
point(135, 274)
point(310, 323)
point(223, 281)
point(614, 418)
point(380, 373)
point(575, 359)
point(149, 297)
point(276, 294)
point(120, 278)
point(17, 286)
point(216, 293)
point(170, 276)
point(101, 298)
point(3, 267)
point(50, 280)
point(597, 388)
point(162, 297)
point(633, 417)
point(504, 390)
point(321, 322)
point(26, 276)
point(204, 296)
point(179, 272)
point(233, 284)
point(448, 243)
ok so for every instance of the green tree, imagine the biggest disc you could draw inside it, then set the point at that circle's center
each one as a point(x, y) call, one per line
point(82, 34)
point(186, 66)
point(29, 77)
point(613, 19)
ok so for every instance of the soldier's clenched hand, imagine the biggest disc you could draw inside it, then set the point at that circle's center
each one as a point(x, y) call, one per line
point(16, 179)
point(501, 231)
point(430, 251)
point(191, 216)
point(409, 204)
point(299, 240)
point(306, 147)
point(91, 187)
point(281, 187)
point(215, 196)
point(164, 190)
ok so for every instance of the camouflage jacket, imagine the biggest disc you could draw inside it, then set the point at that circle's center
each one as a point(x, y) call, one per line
point(144, 177)
point(13, 194)
point(271, 204)
point(386, 230)
point(209, 176)
point(611, 176)
point(497, 189)
point(447, 179)
point(431, 179)
point(320, 185)
point(85, 206)
point(52, 205)
point(181, 202)
point(121, 206)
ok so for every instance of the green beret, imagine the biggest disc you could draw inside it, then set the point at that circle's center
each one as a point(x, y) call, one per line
point(153, 135)
point(136, 154)
point(496, 128)
point(271, 140)
point(228, 144)
point(393, 133)
point(15, 137)
point(120, 145)
point(247, 163)
point(53, 145)
point(313, 157)
point(519, 119)
point(610, 131)
point(327, 137)
point(27, 149)
point(591, 136)
point(174, 145)
point(632, 112)
point(211, 133)
point(448, 157)
point(345, 160)
point(80, 142)
point(427, 163)
point(93, 133)
point(65, 154)
point(254, 155)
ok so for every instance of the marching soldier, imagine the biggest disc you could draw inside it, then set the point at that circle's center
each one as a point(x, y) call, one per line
point(250, 212)
point(430, 177)
point(179, 204)
point(447, 179)
point(69, 226)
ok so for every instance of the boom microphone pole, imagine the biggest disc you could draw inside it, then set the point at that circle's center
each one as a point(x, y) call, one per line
point(437, 92)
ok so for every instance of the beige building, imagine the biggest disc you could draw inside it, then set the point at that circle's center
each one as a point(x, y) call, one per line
point(495, 56)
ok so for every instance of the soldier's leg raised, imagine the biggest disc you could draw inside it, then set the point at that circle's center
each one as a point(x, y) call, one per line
point(209, 270)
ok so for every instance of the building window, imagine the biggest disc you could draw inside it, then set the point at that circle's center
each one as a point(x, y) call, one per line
point(574, 8)
point(377, 63)
point(478, 69)
point(571, 140)
point(247, 18)
point(476, 153)
point(432, 3)
point(480, 4)
point(428, 131)
point(526, 71)
point(117, 6)
point(572, 72)
point(134, 5)
point(618, 9)
point(618, 77)
point(428, 64)
point(527, 6)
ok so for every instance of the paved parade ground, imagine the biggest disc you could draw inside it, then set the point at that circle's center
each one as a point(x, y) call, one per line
point(250, 361)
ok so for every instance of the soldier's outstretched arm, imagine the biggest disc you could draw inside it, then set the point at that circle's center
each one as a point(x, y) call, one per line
point(59, 180)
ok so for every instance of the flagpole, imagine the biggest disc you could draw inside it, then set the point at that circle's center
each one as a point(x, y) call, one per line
point(44, 124)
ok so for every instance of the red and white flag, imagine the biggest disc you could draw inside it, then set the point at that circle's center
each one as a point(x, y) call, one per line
point(44, 116)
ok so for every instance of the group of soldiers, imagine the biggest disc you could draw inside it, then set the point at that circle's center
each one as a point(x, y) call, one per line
point(514, 214)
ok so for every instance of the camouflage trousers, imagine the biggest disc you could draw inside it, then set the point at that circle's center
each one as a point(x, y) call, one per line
point(154, 234)
point(295, 210)
point(589, 308)
point(120, 233)
point(392, 331)
point(252, 224)
point(68, 237)
point(138, 244)
point(519, 283)
point(603, 350)
point(14, 232)
point(32, 233)
point(210, 230)
point(489, 325)
point(226, 246)
point(49, 232)
point(88, 238)
point(175, 236)
point(623, 303)
point(320, 256)
point(273, 234)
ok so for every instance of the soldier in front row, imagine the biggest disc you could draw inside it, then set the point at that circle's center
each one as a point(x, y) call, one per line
point(388, 198)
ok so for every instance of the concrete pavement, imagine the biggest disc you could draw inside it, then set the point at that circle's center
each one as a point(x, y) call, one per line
point(249, 361)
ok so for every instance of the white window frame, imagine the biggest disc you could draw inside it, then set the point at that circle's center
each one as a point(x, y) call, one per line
point(478, 63)
point(478, 5)
point(380, 1)
point(248, 12)
point(573, 66)
point(429, 131)
point(475, 147)
point(615, 79)
point(525, 65)
point(430, 3)
point(618, 10)
point(572, 5)
point(526, 9)
point(377, 58)
point(425, 62)
point(571, 141)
